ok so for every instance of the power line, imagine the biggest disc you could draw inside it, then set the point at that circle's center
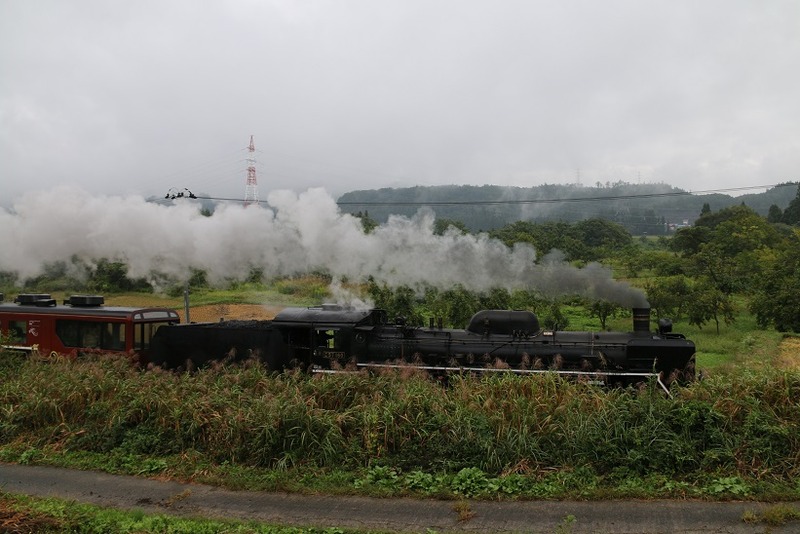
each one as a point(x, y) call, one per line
point(528, 201)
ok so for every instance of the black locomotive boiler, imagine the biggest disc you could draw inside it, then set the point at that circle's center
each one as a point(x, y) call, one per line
point(331, 338)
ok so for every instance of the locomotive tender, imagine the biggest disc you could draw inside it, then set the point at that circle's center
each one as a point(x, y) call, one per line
point(333, 338)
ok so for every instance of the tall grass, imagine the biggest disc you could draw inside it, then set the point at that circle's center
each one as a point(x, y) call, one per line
point(746, 423)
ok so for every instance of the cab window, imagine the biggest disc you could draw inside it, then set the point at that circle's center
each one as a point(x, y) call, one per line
point(143, 333)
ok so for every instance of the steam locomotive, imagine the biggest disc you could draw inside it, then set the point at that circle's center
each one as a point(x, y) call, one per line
point(334, 338)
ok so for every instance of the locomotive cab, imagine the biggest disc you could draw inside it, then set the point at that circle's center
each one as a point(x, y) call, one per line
point(323, 336)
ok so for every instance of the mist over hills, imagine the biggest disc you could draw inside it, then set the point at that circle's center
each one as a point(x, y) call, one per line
point(642, 208)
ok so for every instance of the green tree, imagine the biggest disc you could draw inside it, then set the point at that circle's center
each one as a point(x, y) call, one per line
point(404, 305)
point(554, 317)
point(8, 279)
point(55, 276)
point(255, 276)
point(688, 241)
point(725, 247)
point(523, 299)
point(198, 279)
point(112, 277)
point(669, 296)
point(597, 233)
point(709, 304)
point(719, 270)
point(398, 302)
point(665, 263)
point(440, 226)
point(777, 301)
point(380, 294)
point(603, 310)
point(460, 304)
point(517, 232)
point(791, 214)
point(497, 299)
point(775, 214)
point(368, 224)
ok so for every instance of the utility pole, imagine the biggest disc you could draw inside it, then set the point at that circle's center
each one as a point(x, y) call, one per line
point(251, 189)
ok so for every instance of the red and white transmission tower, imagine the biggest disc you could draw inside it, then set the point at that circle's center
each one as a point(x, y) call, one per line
point(251, 190)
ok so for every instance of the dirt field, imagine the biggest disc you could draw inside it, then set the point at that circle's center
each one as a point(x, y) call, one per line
point(215, 312)
point(789, 356)
point(199, 314)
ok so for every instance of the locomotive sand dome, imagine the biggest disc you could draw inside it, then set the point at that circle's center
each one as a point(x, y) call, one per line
point(522, 323)
point(329, 338)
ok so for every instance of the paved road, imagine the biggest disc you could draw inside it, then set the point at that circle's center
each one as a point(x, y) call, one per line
point(402, 515)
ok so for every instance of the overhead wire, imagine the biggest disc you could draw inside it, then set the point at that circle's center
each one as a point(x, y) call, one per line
point(597, 198)
point(549, 200)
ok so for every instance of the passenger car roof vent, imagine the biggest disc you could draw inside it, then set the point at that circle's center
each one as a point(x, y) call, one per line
point(35, 299)
point(85, 301)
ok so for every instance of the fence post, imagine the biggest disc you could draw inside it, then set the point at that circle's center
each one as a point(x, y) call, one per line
point(186, 302)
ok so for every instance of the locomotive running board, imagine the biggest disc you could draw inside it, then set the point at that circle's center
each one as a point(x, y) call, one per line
point(595, 374)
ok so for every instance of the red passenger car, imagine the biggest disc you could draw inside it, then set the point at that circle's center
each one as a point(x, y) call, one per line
point(35, 322)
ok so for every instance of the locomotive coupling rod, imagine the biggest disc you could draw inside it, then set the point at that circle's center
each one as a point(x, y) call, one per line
point(22, 348)
point(595, 374)
point(320, 371)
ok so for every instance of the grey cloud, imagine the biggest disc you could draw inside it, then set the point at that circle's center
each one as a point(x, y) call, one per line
point(137, 97)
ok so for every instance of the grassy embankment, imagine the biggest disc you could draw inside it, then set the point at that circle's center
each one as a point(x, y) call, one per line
point(735, 434)
point(25, 514)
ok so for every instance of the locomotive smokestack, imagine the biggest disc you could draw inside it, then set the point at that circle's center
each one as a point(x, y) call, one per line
point(641, 320)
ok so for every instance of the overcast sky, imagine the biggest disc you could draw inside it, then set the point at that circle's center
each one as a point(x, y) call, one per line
point(121, 97)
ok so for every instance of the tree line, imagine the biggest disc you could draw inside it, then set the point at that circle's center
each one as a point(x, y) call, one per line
point(726, 257)
point(642, 209)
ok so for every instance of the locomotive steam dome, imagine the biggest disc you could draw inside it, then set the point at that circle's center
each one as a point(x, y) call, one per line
point(503, 322)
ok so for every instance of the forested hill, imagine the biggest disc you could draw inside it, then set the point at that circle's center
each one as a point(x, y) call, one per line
point(641, 214)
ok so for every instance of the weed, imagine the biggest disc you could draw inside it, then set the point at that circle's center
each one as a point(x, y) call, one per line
point(565, 527)
point(777, 515)
point(380, 476)
point(178, 497)
point(30, 456)
point(728, 486)
point(471, 482)
point(512, 484)
point(750, 517)
point(28, 514)
point(462, 508)
point(421, 481)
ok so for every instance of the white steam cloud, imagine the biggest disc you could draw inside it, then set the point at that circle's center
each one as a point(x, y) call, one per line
point(305, 232)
